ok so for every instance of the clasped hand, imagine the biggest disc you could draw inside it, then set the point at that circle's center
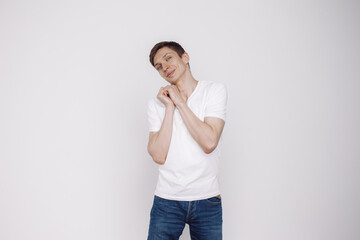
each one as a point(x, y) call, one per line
point(170, 96)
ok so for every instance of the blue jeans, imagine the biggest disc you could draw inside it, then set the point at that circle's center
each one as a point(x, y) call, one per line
point(168, 219)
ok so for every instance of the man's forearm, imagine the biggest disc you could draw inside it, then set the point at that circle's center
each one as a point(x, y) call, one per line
point(204, 134)
point(159, 142)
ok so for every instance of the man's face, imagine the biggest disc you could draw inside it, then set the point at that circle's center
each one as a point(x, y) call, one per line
point(169, 65)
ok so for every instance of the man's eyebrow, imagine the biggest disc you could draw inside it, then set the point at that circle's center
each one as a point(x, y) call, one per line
point(161, 58)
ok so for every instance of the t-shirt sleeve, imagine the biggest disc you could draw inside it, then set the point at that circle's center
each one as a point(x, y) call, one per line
point(217, 100)
point(154, 118)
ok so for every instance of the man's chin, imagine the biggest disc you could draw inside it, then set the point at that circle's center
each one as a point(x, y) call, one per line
point(171, 81)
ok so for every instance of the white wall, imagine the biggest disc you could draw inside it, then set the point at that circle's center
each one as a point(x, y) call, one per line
point(74, 84)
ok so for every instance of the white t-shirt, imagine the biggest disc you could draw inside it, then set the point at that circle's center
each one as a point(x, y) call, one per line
point(189, 173)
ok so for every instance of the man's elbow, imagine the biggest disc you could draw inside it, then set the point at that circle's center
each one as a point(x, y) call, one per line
point(156, 157)
point(159, 160)
point(209, 148)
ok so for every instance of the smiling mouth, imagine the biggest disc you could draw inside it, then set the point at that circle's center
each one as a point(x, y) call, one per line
point(170, 73)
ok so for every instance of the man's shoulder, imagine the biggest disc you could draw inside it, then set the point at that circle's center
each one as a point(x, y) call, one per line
point(212, 85)
point(154, 102)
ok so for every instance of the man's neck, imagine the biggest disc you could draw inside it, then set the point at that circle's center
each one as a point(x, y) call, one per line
point(186, 85)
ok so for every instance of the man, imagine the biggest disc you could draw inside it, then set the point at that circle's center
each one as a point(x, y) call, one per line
point(186, 121)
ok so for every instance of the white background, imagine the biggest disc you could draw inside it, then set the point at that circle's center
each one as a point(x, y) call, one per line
point(74, 84)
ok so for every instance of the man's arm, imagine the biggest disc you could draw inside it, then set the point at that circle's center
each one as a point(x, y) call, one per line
point(159, 142)
point(206, 133)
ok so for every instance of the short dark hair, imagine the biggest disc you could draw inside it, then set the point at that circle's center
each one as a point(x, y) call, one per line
point(170, 44)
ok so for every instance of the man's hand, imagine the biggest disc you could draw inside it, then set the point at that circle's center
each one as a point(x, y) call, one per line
point(174, 95)
point(164, 97)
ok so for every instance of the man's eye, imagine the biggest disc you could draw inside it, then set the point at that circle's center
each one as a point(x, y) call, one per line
point(159, 67)
point(168, 58)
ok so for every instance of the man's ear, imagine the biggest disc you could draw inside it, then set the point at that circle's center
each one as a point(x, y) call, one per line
point(185, 57)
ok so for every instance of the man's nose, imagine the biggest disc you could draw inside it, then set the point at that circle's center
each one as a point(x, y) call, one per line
point(165, 67)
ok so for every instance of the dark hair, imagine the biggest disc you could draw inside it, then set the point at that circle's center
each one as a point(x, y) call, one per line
point(170, 44)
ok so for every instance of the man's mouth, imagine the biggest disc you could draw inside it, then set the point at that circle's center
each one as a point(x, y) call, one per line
point(170, 73)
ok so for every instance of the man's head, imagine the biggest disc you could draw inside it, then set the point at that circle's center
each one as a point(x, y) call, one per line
point(170, 60)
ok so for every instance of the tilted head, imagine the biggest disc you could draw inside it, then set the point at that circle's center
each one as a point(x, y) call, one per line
point(170, 60)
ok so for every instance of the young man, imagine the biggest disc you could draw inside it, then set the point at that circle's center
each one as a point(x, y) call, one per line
point(186, 121)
